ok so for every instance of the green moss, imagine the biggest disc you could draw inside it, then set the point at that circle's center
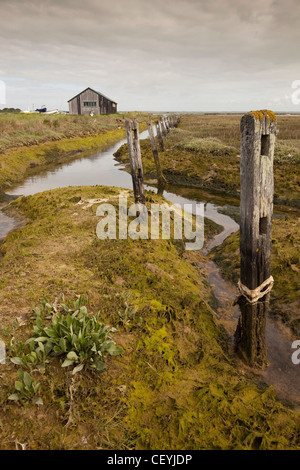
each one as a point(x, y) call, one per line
point(157, 340)
point(175, 385)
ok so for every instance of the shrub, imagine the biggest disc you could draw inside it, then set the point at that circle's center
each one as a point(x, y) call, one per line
point(26, 388)
point(80, 338)
point(209, 145)
point(285, 153)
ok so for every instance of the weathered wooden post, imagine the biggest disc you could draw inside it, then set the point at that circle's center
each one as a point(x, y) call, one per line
point(163, 127)
point(160, 177)
point(167, 124)
point(132, 132)
point(176, 121)
point(258, 136)
point(159, 136)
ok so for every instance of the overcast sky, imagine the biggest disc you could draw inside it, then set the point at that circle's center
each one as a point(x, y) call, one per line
point(172, 55)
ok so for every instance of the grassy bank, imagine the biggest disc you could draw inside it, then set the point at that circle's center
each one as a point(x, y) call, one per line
point(19, 130)
point(285, 268)
point(28, 141)
point(174, 386)
point(204, 152)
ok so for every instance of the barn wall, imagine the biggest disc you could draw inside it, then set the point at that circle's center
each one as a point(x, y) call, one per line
point(73, 109)
point(103, 105)
point(89, 95)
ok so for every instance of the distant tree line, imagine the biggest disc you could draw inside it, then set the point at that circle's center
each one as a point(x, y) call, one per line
point(10, 110)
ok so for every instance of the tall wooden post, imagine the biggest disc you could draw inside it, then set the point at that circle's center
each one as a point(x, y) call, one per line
point(163, 127)
point(132, 132)
point(166, 121)
point(258, 136)
point(167, 124)
point(159, 136)
point(160, 177)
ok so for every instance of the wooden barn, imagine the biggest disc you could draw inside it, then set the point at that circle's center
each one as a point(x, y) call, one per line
point(91, 101)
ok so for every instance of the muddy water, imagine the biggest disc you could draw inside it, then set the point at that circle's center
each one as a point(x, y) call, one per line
point(281, 372)
point(100, 168)
point(6, 224)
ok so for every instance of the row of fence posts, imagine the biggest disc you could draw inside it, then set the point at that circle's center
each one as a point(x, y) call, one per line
point(258, 136)
point(162, 127)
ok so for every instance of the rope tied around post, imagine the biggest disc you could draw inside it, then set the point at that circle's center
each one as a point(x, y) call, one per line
point(254, 295)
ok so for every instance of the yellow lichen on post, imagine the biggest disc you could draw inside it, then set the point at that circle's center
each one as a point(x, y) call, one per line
point(264, 113)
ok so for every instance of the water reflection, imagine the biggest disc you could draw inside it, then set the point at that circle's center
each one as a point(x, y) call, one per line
point(100, 168)
point(6, 224)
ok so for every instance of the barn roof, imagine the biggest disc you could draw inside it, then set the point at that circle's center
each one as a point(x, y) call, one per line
point(98, 93)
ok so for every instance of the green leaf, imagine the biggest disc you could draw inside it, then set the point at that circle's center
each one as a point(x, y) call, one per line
point(28, 380)
point(100, 365)
point(50, 332)
point(72, 356)
point(113, 349)
point(67, 363)
point(18, 361)
point(63, 344)
point(74, 338)
point(38, 401)
point(41, 339)
point(14, 397)
point(19, 386)
point(77, 369)
point(30, 341)
point(48, 348)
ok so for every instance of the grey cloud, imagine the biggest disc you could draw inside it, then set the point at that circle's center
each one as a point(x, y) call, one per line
point(152, 52)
